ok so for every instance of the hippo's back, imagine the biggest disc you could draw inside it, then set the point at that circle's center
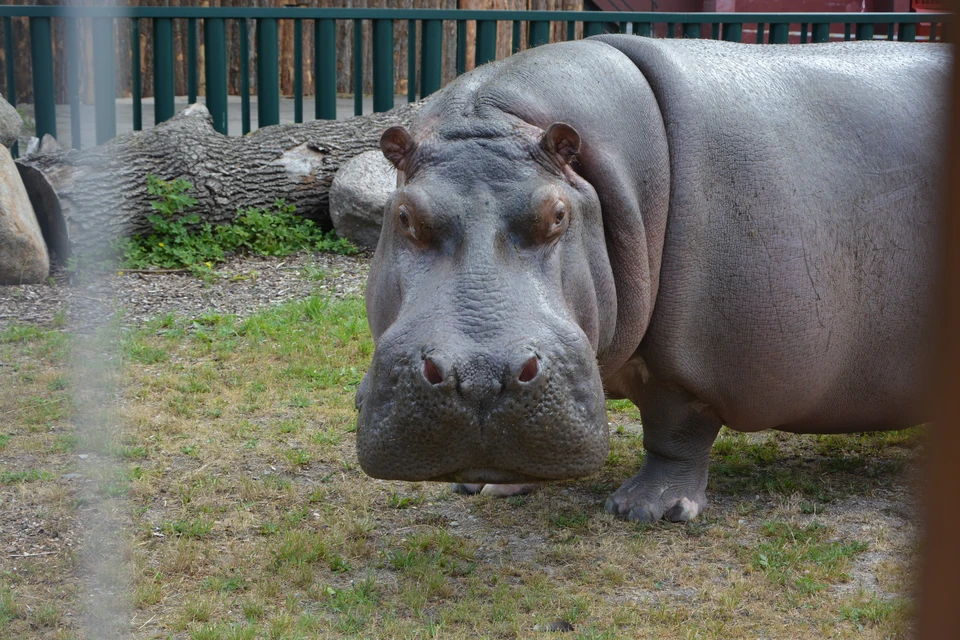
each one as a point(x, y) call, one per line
point(795, 283)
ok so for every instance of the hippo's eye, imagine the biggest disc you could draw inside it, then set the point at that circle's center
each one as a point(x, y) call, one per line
point(404, 217)
point(414, 224)
point(560, 212)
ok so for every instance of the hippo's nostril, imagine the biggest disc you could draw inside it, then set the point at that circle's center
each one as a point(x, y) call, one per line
point(530, 370)
point(431, 372)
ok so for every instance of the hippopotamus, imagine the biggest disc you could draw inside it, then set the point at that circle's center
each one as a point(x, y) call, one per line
point(725, 234)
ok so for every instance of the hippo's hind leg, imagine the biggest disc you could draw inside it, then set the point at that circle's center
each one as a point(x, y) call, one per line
point(678, 432)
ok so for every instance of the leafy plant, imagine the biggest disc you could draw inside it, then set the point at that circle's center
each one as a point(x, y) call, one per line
point(179, 240)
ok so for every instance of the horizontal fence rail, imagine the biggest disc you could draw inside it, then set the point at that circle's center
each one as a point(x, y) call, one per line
point(425, 28)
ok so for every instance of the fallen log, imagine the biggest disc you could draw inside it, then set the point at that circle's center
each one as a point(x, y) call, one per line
point(85, 199)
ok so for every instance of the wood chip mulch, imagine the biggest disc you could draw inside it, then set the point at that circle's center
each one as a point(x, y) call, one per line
point(243, 285)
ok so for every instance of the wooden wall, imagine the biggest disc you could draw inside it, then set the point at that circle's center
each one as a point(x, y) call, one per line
point(344, 45)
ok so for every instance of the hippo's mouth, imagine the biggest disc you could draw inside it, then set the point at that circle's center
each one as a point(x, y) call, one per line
point(488, 476)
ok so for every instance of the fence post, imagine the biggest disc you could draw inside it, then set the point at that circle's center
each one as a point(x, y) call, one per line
point(592, 29)
point(382, 65)
point(515, 41)
point(244, 77)
point(41, 54)
point(73, 80)
point(104, 87)
point(461, 47)
point(268, 73)
point(539, 32)
point(137, 80)
point(431, 57)
point(644, 29)
point(215, 66)
point(8, 60)
point(908, 32)
point(779, 33)
point(191, 60)
point(411, 60)
point(733, 32)
point(325, 64)
point(298, 70)
point(486, 42)
point(821, 32)
point(163, 69)
point(691, 30)
point(865, 31)
point(358, 67)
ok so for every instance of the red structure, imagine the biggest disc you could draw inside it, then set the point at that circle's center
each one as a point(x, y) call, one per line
point(766, 6)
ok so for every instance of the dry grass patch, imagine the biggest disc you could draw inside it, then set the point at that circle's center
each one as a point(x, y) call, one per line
point(232, 458)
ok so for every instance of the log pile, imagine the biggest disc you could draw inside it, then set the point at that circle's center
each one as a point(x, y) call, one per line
point(87, 198)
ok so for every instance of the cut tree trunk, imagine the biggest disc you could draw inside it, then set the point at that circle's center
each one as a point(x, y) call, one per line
point(87, 198)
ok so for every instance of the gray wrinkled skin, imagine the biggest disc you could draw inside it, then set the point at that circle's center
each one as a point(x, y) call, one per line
point(748, 240)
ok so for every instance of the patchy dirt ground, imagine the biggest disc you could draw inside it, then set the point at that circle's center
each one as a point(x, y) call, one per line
point(187, 473)
point(243, 285)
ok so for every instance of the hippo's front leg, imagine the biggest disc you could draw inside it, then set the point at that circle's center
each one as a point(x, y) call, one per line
point(678, 431)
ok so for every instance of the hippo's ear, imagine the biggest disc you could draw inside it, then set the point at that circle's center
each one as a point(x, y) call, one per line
point(397, 146)
point(561, 141)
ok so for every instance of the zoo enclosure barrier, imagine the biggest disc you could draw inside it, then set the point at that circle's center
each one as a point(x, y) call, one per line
point(424, 28)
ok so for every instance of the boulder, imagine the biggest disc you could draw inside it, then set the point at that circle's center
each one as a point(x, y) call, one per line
point(357, 197)
point(23, 252)
point(10, 123)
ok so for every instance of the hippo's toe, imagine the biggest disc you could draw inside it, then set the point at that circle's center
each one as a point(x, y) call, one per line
point(495, 490)
point(662, 489)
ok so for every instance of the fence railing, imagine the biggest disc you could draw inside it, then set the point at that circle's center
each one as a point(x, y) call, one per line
point(424, 27)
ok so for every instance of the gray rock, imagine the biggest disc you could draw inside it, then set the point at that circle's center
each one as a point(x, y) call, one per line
point(49, 144)
point(23, 252)
point(10, 123)
point(357, 196)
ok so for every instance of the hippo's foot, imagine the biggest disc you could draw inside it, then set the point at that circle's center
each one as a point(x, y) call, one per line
point(495, 490)
point(664, 488)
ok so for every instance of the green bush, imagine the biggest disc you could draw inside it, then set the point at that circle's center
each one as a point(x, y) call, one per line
point(179, 240)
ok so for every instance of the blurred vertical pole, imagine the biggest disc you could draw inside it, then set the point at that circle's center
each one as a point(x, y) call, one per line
point(939, 599)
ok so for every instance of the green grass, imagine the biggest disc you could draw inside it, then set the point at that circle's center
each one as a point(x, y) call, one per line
point(19, 477)
point(804, 556)
point(194, 528)
point(234, 447)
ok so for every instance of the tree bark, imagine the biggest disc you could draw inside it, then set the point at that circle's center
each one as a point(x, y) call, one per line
point(87, 198)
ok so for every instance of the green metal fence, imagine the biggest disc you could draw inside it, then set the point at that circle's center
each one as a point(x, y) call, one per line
point(427, 25)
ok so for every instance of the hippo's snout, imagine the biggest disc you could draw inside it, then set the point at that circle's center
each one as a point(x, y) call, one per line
point(493, 415)
point(480, 376)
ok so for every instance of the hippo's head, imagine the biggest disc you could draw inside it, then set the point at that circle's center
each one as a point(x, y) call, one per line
point(489, 296)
